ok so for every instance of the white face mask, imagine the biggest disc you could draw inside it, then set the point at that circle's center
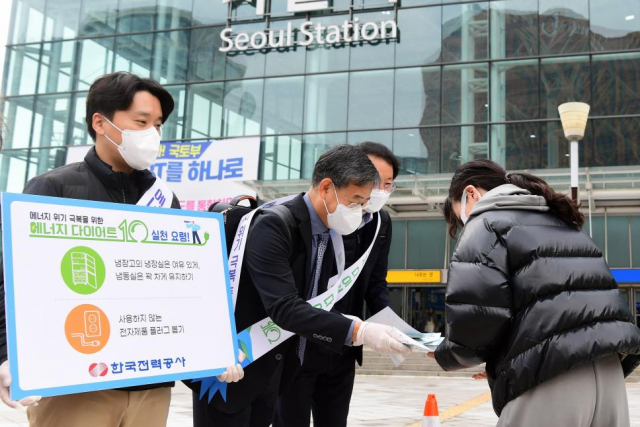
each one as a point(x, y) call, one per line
point(463, 207)
point(343, 220)
point(377, 201)
point(139, 148)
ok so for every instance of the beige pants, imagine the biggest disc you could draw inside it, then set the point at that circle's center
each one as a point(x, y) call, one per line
point(110, 408)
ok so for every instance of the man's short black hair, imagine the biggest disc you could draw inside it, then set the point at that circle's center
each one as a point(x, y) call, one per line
point(115, 91)
point(345, 165)
point(379, 150)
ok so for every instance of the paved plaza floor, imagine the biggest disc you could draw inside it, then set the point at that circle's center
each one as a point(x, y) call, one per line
point(389, 401)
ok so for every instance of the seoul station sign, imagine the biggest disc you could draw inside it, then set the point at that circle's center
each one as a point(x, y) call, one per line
point(349, 31)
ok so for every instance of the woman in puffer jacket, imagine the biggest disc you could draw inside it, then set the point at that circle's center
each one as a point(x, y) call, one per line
point(530, 294)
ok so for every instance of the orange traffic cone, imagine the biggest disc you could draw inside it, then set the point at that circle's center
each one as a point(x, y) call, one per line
point(431, 417)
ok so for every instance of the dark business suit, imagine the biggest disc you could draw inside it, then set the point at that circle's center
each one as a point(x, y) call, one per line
point(275, 282)
point(324, 384)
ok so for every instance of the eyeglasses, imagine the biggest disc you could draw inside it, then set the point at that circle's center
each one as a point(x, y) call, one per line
point(390, 188)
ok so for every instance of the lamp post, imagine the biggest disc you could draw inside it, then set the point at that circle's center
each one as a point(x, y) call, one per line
point(574, 117)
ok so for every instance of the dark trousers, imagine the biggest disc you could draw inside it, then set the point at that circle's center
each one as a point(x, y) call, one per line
point(258, 414)
point(322, 388)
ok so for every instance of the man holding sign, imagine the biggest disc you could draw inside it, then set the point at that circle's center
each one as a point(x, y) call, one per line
point(124, 117)
point(292, 274)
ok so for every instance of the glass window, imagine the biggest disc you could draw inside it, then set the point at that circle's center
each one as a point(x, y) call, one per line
point(242, 10)
point(18, 118)
point(514, 28)
point(374, 54)
point(517, 146)
point(23, 69)
point(282, 157)
point(98, 17)
point(382, 136)
point(283, 106)
point(417, 98)
point(43, 160)
point(426, 245)
point(618, 238)
point(133, 54)
point(51, 119)
point(515, 90)
point(173, 127)
point(409, 3)
point(563, 80)
point(174, 14)
point(462, 144)
point(314, 145)
point(370, 4)
point(371, 99)
point(204, 115)
point(465, 93)
point(248, 63)
point(28, 21)
point(61, 19)
point(242, 108)
point(615, 84)
point(13, 170)
point(635, 240)
point(206, 62)
point(564, 29)
point(398, 241)
point(325, 99)
point(207, 12)
point(597, 224)
point(419, 32)
point(170, 57)
point(615, 142)
point(465, 32)
point(418, 150)
point(615, 24)
point(289, 60)
point(79, 133)
point(321, 58)
point(96, 59)
point(555, 147)
point(136, 16)
point(56, 67)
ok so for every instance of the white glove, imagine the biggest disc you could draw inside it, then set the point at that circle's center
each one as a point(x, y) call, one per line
point(5, 383)
point(233, 374)
point(382, 339)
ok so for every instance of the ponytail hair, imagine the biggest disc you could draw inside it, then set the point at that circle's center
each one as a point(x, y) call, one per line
point(487, 175)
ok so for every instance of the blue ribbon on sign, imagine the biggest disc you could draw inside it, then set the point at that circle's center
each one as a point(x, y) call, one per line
point(213, 384)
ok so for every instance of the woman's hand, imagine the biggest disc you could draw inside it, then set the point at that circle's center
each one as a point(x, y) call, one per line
point(480, 376)
point(431, 354)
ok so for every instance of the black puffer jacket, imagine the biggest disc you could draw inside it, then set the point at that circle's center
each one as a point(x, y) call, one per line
point(532, 298)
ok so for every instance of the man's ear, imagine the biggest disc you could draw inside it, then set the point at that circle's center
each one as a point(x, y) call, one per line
point(324, 186)
point(97, 122)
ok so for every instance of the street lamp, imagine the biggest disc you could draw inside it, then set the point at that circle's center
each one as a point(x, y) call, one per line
point(574, 117)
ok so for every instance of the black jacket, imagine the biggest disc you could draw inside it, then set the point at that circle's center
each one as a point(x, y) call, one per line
point(533, 298)
point(94, 180)
point(275, 282)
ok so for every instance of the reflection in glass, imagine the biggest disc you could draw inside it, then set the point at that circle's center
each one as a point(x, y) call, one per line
point(43, 160)
point(563, 80)
point(384, 137)
point(515, 90)
point(242, 108)
point(50, 121)
point(615, 142)
point(174, 14)
point(462, 144)
point(79, 133)
point(13, 170)
point(514, 27)
point(635, 242)
point(242, 10)
point(418, 150)
point(204, 115)
point(28, 21)
point(248, 63)
point(96, 59)
point(173, 127)
point(615, 84)
point(419, 33)
point(136, 16)
point(398, 249)
point(170, 56)
point(322, 58)
point(371, 99)
point(61, 19)
point(426, 242)
point(326, 102)
point(615, 25)
point(56, 67)
point(23, 69)
point(286, 60)
point(618, 255)
point(98, 17)
point(313, 145)
point(374, 54)
point(555, 147)
point(18, 117)
point(417, 99)
point(564, 29)
point(517, 146)
point(282, 157)
point(133, 54)
point(207, 12)
point(206, 62)
point(465, 93)
point(465, 32)
point(283, 106)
